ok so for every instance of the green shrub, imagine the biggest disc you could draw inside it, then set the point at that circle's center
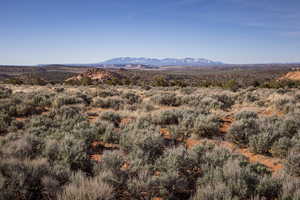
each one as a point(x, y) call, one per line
point(219, 191)
point(106, 93)
point(206, 126)
point(171, 185)
point(131, 98)
point(166, 99)
point(25, 180)
point(59, 89)
point(111, 165)
point(226, 100)
point(289, 126)
point(52, 151)
point(73, 153)
point(40, 100)
point(187, 90)
point(176, 173)
point(13, 81)
point(112, 160)
point(41, 125)
point(167, 117)
point(236, 180)
point(293, 162)
point(231, 85)
point(208, 103)
point(16, 125)
point(160, 81)
point(85, 98)
point(281, 147)
point(140, 184)
point(147, 146)
point(113, 117)
point(240, 131)
point(23, 110)
point(65, 100)
point(246, 115)
point(5, 92)
point(284, 103)
point(67, 114)
point(105, 131)
point(261, 143)
point(114, 103)
point(27, 146)
point(290, 187)
point(144, 121)
point(146, 107)
point(5, 121)
point(269, 188)
point(144, 144)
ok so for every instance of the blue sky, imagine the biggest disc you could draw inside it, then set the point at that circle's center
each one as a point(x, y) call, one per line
point(89, 31)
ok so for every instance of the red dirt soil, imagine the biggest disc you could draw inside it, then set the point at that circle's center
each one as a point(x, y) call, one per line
point(127, 120)
point(165, 133)
point(226, 123)
point(105, 145)
point(20, 118)
point(271, 113)
point(96, 157)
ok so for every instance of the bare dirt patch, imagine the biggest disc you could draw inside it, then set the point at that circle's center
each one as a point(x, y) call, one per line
point(226, 123)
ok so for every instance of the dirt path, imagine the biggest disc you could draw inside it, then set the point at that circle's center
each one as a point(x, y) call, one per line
point(273, 164)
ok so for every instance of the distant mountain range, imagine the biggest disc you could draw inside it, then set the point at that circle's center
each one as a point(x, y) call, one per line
point(161, 62)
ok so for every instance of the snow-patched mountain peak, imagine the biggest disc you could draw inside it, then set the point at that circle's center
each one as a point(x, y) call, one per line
point(162, 62)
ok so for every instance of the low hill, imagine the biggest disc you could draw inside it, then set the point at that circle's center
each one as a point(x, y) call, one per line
point(96, 75)
point(294, 76)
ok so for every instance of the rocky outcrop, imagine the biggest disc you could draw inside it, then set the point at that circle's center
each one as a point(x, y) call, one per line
point(294, 76)
point(97, 75)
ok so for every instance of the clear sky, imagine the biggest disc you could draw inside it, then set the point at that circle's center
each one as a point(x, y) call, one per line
point(89, 31)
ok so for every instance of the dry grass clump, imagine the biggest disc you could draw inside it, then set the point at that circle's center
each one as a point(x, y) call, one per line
point(82, 187)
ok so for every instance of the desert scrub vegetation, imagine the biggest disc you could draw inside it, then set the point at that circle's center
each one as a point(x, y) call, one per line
point(204, 99)
point(110, 102)
point(135, 144)
point(166, 99)
point(5, 92)
point(206, 126)
point(265, 135)
point(131, 98)
point(60, 101)
point(83, 187)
